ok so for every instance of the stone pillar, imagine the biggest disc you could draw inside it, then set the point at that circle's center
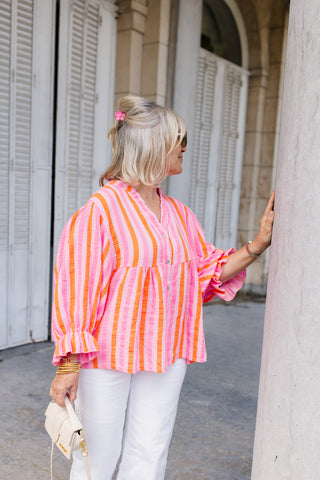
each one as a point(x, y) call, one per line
point(155, 51)
point(253, 198)
point(185, 85)
point(131, 28)
point(288, 420)
point(251, 205)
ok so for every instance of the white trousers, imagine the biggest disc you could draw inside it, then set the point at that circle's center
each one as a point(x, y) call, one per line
point(129, 413)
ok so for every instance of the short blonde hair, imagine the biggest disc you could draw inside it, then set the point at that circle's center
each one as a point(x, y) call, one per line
point(142, 141)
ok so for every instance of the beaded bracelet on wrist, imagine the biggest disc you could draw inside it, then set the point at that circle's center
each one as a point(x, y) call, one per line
point(254, 255)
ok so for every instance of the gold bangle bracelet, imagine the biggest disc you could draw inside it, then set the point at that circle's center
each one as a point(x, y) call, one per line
point(63, 370)
point(68, 365)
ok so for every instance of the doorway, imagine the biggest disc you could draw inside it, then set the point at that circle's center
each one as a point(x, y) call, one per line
point(48, 134)
point(219, 127)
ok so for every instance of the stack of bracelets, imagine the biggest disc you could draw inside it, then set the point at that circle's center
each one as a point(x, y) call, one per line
point(68, 365)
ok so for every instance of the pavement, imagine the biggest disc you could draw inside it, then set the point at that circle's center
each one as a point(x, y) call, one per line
point(214, 431)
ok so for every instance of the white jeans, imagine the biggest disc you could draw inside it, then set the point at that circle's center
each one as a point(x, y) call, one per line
point(145, 404)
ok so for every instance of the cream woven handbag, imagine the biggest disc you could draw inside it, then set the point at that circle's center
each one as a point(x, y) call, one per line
point(66, 432)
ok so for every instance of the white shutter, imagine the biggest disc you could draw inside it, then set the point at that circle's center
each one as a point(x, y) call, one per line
point(202, 134)
point(81, 104)
point(22, 303)
point(86, 29)
point(230, 157)
point(5, 73)
point(228, 151)
point(217, 155)
point(21, 136)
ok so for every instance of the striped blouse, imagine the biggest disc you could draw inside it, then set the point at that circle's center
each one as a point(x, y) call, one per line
point(128, 289)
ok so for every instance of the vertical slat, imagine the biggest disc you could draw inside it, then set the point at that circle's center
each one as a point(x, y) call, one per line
point(228, 154)
point(105, 79)
point(41, 167)
point(5, 81)
point(22, 122)
point(203, 130)
point(20, 185)
point(74, 105)
point(197, 129)
point(89, 100)
point(81, 102)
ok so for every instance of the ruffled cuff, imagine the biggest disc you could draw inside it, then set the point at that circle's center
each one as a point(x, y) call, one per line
point(82, 343)
point(227, 290)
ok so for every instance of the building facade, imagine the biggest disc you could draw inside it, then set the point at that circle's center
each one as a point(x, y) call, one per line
point(65, 64)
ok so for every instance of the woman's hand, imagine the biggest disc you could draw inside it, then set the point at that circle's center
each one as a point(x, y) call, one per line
point(263, 238)
point(240, 259)
point(63, 385)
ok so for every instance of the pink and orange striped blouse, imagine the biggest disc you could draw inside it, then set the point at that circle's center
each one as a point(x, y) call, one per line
point(129, 289)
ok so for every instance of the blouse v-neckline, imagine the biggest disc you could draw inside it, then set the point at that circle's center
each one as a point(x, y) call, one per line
point(144, 207)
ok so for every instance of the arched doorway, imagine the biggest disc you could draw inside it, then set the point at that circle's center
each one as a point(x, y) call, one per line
point(219, 126)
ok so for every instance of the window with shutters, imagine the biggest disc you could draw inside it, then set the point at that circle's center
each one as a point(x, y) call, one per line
point(229, 182)
point(24, 159)
point(81, 104)
point(207, 72)
point(85, 102)
point(219, 129)
point(5, 84)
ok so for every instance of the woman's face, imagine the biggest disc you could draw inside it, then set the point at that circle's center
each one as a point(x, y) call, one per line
point(175, 159)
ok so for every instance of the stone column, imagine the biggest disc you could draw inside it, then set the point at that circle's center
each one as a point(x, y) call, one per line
point(131, 28)
point(185, 85)
point(155, 51)
point(251, 205)
point(287, 441)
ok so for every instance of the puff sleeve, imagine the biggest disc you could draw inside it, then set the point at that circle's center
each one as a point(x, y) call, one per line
point(82, 273)
point(209, 264)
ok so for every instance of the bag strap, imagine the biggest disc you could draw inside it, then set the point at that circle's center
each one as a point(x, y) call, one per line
point(51, 461)
point(84, 453)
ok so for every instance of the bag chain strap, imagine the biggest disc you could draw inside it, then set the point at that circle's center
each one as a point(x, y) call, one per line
point(84, 453)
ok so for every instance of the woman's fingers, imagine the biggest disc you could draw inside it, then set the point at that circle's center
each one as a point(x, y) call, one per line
point(63, 385)
point(268, 215)
point(263, 239)
point(59, 399)
point(73, 393)
point(270, 204)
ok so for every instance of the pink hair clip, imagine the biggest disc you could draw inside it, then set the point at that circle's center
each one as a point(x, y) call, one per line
point(120, 115)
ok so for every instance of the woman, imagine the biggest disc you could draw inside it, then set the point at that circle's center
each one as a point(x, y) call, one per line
point(132, 271)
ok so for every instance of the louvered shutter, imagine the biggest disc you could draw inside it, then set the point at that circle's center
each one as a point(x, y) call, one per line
point(218, 146)
point(25, 40)
point(85, 102)
point(230, 161)
point(202, 137)
point(5, 87)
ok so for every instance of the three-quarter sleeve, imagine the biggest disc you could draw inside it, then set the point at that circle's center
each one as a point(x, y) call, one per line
point(83, 268)
point(209, 263)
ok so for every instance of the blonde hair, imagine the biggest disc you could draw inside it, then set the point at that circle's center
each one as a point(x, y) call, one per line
point(142, 141)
